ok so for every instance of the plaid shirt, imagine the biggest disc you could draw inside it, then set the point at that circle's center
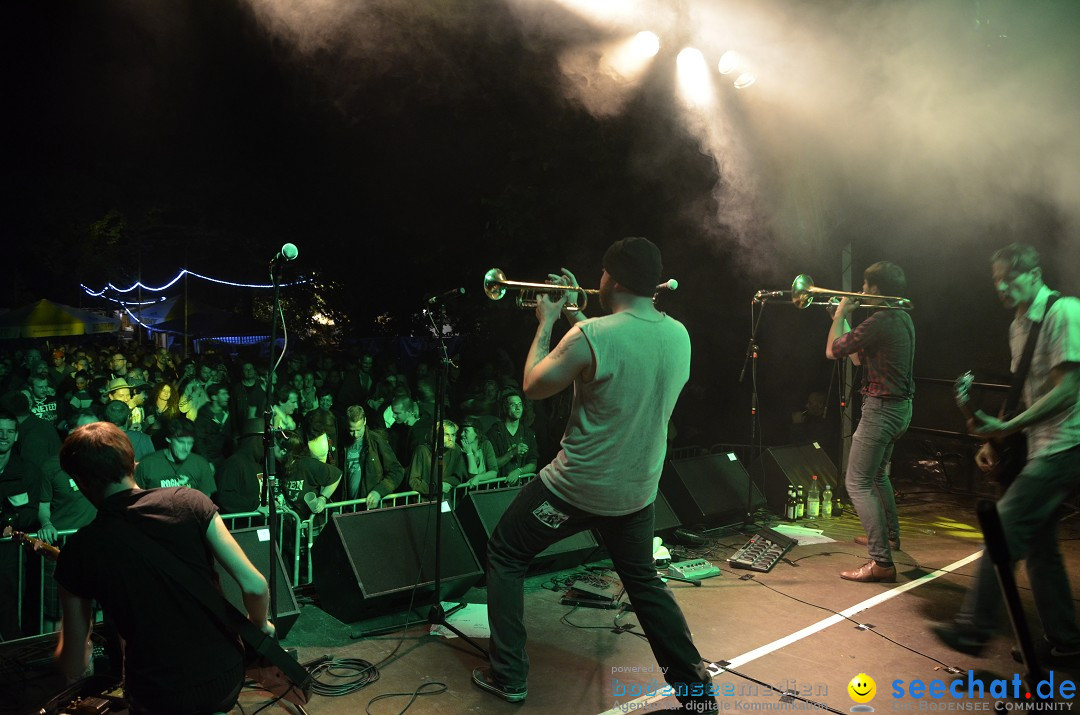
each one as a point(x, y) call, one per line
point(885, 344)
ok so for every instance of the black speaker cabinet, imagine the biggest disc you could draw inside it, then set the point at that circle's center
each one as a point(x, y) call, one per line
point(663, 515)
point(366, 564)
point(781, 466)
point(480, 512)
point(255, 542)
point(709, 488)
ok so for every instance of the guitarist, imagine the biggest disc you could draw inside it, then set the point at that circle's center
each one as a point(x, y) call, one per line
point(177, 658)
point(1030, 507)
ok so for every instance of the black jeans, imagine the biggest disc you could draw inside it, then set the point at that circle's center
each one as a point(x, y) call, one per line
point(535, 520)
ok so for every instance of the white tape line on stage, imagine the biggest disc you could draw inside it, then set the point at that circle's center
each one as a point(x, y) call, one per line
point(643, 702)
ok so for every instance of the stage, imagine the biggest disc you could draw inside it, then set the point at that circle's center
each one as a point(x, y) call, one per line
point(780, 628)
point(798, 627)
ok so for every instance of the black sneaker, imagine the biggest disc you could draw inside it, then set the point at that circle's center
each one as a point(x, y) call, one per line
point(963, 640)
point(510, 693)
point(1052, 655)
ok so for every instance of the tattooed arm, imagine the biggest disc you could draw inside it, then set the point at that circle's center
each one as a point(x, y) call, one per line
point(549, 372)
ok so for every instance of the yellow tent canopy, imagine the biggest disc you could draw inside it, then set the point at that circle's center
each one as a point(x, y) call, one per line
point(45, 319)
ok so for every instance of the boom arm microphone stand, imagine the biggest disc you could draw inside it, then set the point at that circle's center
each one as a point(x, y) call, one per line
point(437, 615)
point(269, 487)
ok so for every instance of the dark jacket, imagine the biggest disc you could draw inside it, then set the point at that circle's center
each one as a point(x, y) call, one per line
point(381, 471)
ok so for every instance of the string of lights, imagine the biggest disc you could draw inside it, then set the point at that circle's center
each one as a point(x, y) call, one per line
point(181, 274)
point(133, 317)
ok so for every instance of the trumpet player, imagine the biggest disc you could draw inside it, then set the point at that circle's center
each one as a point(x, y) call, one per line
point(627, 370)
point(884, 345)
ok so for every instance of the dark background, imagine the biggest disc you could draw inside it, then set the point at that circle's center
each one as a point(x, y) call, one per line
point(406, 148)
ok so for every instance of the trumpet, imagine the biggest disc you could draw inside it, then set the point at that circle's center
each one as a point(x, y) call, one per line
point(804, 294)
point(496, 285)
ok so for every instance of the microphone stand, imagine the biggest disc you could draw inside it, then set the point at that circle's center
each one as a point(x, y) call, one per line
point(751, 359)
point(269, 486)
point(437, 615)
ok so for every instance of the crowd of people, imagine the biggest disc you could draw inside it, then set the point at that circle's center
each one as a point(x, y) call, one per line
point(355, 426)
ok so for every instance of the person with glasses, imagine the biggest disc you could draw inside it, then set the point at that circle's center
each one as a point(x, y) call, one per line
point(1030, 507)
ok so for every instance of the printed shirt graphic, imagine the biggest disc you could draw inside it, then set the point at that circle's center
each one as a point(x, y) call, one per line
point(158, 470)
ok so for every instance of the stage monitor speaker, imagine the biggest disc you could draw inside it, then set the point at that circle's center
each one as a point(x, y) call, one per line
point(255, 541)
point(480, 512)
point(663, 516)
point(366, 563)
point(709, 488)
point(795, 464)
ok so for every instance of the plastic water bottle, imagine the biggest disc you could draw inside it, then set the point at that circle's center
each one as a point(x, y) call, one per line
point(826, 502)
point(813, 499)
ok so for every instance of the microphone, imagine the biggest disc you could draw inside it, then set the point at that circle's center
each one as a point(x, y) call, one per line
point(764, 294)
point(287, 253)
point(443, 297)
point(670, 284)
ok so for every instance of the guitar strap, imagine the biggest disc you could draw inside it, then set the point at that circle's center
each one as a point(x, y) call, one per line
point(228, 617)
point(1017, 386)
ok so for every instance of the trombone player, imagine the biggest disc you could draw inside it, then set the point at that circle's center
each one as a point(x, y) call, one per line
point(884, 344)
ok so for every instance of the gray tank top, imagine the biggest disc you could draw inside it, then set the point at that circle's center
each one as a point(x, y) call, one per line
point(616, 438)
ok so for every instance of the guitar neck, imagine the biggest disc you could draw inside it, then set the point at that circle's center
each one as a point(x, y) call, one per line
point(45, 549)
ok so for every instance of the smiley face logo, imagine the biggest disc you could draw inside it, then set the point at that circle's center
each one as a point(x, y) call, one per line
point(862, 688)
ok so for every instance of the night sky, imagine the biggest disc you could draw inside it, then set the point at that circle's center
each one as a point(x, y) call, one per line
point(407, 147)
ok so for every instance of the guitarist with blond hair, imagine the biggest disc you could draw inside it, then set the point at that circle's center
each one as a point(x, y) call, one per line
point(1030, 507)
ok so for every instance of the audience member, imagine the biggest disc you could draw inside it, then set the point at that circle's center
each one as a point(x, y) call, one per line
point(193, 398)
point(38, 440)
point(249, 395)
point(239, 480)
point(119, 414)
point(371, 468)
point(514, 444)
point(176, 466)
point(20, 485)
point(481, 464)
point(407, 413)
point(42, 398)
point(287, 401)
point(214, 430)
point(454, 471)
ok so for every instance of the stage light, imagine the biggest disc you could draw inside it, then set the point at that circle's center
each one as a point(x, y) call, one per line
point(607, 12)
point(645, 44)
point(745, 80)
point(694, 77)
point(729, 62)
point(630, 56)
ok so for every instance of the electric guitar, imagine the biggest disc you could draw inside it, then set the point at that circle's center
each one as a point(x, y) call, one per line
point(1011, 451)
point(45, 549)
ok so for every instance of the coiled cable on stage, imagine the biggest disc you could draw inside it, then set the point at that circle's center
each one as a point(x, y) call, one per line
point(342, 676)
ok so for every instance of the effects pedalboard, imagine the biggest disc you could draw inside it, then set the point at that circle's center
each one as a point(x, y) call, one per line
point(762, 551)
point(695, 569)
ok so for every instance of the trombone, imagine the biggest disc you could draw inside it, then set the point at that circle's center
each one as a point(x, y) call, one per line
point(496, 285)
point(804, 294)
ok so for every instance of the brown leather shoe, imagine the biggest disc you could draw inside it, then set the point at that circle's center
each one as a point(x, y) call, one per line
point(861, 540)
point(871, 573)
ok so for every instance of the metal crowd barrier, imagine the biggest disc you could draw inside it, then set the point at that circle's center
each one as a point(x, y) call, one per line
point(26, 560)
point(296, 536)
point(286, 517)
